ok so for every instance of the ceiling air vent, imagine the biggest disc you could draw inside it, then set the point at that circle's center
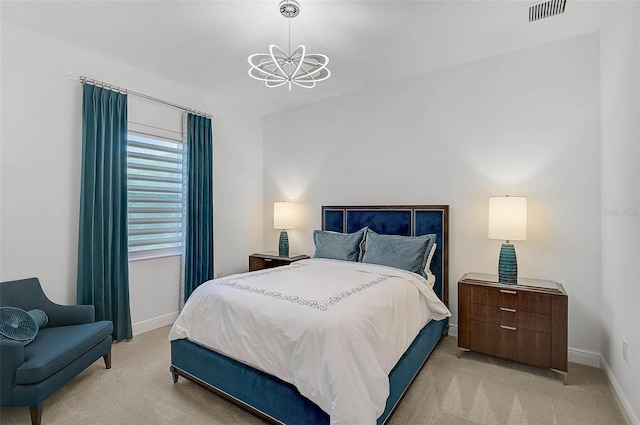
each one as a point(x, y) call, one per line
point(544, 9)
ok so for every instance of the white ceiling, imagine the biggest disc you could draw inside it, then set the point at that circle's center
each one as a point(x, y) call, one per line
point(205, 44)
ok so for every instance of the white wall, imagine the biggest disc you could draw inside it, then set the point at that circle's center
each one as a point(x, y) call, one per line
point(522, 124)
point(40, 158)
point(620, 117)
point(557, 123)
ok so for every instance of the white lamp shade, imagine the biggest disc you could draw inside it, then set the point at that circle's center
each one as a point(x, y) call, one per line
point(508, 218)
point(284, 215)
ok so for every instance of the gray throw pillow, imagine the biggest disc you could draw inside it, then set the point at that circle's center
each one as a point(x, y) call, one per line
point(403, 252)
point(338, 246)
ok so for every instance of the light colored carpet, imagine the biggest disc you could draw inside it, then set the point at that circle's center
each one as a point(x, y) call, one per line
point(472, 389)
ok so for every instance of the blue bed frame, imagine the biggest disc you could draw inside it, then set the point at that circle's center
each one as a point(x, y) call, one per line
point(280, 402)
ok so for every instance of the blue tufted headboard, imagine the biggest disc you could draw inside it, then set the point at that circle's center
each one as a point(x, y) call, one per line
point(406, 220)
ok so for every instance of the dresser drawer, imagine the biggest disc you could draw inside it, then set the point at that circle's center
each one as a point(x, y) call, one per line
point(265, 263)
point(510, 317)
point(517, 299)
point(521, 345)
point(268, 260)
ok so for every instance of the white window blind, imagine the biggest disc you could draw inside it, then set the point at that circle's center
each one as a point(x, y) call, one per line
point(155, 195)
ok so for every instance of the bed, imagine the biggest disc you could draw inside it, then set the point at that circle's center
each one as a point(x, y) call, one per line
point(217, 365)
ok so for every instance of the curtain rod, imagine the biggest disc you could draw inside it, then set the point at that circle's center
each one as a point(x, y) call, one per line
point(84, 80)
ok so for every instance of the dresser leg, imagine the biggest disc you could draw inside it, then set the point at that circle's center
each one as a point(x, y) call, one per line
point(564, 375)
point(461, 350)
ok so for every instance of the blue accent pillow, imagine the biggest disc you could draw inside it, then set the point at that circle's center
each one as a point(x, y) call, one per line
point(39, 316)
point(19, 325)
point(402, 252)
point(338, 246)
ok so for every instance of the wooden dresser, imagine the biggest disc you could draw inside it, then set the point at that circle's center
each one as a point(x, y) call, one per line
point(525, 322)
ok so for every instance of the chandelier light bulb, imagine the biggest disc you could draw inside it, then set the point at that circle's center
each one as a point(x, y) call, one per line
point(278, 68)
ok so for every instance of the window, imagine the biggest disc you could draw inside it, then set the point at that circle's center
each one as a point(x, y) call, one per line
point(155, 194)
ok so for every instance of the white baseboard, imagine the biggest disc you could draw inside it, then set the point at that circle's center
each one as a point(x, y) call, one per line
point(155, 323)
point(453, 329)
point(585, 357)
point(627, 411)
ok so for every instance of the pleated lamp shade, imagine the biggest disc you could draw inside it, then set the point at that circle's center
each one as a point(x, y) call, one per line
point(508, 218)
point(284, 215)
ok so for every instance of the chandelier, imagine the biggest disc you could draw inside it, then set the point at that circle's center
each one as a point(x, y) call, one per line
point(278, 68)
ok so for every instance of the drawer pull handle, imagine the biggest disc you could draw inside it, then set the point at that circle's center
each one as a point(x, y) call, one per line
point(268, 260)
point(510, 310)
point(504, 291)
point(509, 328)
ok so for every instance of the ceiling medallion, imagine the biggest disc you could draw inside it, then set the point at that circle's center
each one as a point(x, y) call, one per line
point(278, 68)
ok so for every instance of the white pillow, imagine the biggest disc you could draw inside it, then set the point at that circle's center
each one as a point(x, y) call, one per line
point(431, 278)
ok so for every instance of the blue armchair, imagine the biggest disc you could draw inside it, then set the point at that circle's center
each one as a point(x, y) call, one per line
point(70, 342)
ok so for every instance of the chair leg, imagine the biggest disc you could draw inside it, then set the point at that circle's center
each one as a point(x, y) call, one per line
point(107, 359)
point(36, 414)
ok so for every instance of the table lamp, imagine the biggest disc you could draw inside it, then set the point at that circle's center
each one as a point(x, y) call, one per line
point(508, 221)
point(283, 219)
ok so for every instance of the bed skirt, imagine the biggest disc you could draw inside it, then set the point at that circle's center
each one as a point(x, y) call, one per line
point(278, 401)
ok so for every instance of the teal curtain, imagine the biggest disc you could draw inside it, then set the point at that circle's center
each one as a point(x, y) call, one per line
point(199, 209)
point(103, 267)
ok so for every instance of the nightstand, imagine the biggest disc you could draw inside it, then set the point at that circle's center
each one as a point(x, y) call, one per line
point(525, 322)
point(266, 260)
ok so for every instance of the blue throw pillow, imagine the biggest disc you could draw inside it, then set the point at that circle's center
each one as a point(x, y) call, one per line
point(402, 252)
point(39, 316)
point(18, 325)
point(338, 246)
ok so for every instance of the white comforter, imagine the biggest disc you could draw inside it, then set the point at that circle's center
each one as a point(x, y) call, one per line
point(333, 329)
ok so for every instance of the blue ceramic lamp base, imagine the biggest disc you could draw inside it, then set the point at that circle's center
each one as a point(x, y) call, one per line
point(283, 244)
point(508, 265)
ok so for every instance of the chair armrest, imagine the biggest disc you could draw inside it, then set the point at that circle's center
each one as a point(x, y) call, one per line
point(12, 355)
point(27, 294)
point(64, 315)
